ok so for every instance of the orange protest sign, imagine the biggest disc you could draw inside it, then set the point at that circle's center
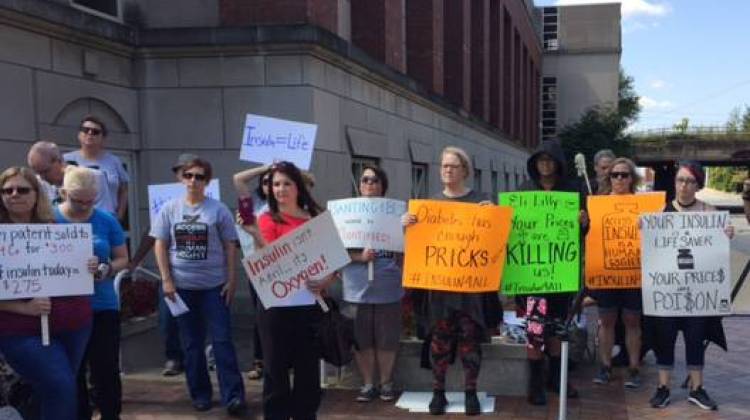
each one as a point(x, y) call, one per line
point(613, 244)
point(457, 247)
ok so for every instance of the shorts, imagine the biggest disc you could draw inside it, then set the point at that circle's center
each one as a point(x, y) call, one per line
point(376, 325)
point(608, 301)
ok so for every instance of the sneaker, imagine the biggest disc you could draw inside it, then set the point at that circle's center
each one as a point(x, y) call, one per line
point(471, 403)
point(661, 398)
point(367, 394)
point(172, 368)
point(256, 372)
point(387, 393)
point(700, 398)
point(236, 407)
point(604, 375)
point(634, 379)
point(438, 403)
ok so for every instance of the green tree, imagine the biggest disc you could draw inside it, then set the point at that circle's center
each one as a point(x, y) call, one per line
point(745, 120)
point(682, 126)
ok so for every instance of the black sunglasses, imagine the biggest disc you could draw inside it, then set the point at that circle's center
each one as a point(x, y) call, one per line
point(91, 130)
point(369, 180)
point(266, 181)
point(19, 190)
point(191, 175)
point(619, 175)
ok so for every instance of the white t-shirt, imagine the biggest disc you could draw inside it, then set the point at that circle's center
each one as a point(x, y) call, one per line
point(112, 171)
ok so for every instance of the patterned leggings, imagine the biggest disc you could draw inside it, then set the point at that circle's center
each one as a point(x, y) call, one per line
point(460, 329)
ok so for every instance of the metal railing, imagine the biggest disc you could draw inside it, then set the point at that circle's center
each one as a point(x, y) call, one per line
point(691, 133)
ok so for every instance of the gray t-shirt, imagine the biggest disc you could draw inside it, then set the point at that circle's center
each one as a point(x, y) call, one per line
point(196, 236)
point(114, 176)
point(385, 287)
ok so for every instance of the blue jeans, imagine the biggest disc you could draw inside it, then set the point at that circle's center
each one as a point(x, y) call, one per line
point(51, 370)
point(207, 309)
point(169, 331)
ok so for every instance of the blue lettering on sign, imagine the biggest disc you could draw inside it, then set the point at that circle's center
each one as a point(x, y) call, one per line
point(290, 141)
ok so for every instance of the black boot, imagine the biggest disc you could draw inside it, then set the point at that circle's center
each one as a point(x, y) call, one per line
point(553, 381)
point(536, 383)
point(471, 403)
point(438, 403)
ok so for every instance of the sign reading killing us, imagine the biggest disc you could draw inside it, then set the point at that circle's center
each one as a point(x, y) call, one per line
point(369, 222)
point(280, 270)
point(45, 260)
point(613, 244)
point(543, 254)
point(267, 140)
point(685, 264)
point(457, 247)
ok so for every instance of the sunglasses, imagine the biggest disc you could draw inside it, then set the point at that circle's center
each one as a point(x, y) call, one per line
point(369, 180)
point(91, 130)
point(191, 175)
point(619, 175)
point(19, 190)
point(266, 181)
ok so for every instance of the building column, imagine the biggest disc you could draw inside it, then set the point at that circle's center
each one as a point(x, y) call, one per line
point(480, 58)
point(378, 28)
point(322, 13)
point(457, 52)
point(424, 42)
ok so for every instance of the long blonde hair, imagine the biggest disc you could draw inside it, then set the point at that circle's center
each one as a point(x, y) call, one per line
point(42, 210)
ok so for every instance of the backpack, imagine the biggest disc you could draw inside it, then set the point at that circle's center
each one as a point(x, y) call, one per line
point(336, 336)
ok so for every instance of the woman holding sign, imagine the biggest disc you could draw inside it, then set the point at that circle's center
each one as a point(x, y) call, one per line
point(457, 317)
point(51, 369)
point(376, 302)
point(196, 253)
point(79, 192)
point(288, 333)
point(696, 330)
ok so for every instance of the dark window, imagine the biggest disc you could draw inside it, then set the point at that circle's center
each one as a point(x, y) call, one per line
point(108, 7)
point(477, 180)
point(419, 180)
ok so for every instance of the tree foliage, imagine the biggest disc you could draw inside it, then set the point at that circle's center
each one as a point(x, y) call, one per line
point(730, 178)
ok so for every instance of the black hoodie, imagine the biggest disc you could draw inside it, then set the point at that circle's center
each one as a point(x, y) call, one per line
point(553, 149)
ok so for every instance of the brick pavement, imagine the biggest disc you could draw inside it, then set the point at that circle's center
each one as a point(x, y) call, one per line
point(149, 396)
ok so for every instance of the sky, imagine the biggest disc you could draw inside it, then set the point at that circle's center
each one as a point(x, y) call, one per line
point(689, 58)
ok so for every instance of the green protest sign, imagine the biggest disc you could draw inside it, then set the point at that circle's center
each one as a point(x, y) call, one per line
point(544, 250)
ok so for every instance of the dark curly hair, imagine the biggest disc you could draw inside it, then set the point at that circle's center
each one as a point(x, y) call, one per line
point(304, 199)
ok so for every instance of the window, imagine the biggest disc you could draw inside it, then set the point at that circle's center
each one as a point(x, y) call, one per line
point(109, 9)
point(549, 107)
point(477, 180)
point(358, 163)
point(495, 187)
point(549, 29)
point(419, 180)
point(507, 181)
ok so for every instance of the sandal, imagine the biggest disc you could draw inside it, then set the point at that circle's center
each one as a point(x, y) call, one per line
point(256, 372)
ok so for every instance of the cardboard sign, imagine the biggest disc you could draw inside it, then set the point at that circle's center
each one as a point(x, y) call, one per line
point(267, 140)
point(280, 270)
point(457, 247)
point(544, 247)
point(366, 222)
point(159, 194)
point(613, 244)
point(45, 260)
point(685, 260)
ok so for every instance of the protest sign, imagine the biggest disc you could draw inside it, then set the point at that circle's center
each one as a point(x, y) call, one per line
point(613, 244)
point(685, 260)
point(544, 247)
point(247, 242)
point(45, 260)
point(457, 247)
point(280, 270)
point(267, 140)
point(159, 194)
point(366, 222)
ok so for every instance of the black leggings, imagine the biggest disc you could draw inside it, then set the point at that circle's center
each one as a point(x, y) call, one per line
point(103, 359)
point(693, 331)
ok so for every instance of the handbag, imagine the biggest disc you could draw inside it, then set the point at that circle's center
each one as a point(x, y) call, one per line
point(336, 336)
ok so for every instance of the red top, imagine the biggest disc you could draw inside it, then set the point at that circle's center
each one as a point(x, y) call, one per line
point(69, 313)
point(271, 230)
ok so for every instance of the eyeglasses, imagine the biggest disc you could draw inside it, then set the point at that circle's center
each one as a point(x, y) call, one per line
point(19, 190)
point(619, 175)
point(83, 203)
point(449, 166)
point(369, 180)
point(266, 181)
point(190, 175)
point(91, 130)
point(686, 181)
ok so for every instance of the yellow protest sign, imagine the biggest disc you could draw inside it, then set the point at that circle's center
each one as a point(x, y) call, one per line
point(457, 247)
point(613, 244)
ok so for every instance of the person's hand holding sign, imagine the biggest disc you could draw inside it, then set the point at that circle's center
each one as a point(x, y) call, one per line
point(408, 219)
point(169, 289)
point(367, 255)
point(36, 307)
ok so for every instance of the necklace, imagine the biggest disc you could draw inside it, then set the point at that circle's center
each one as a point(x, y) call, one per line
point(684, 206)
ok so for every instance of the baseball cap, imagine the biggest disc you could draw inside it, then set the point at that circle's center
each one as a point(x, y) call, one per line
point(182, 160)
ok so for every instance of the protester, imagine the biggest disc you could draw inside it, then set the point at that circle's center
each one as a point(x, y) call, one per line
point(746, 199)
point(376, 303)
point(91, 136)
point(458, 318)
point(103, 348)
point(167, 323)
point(547, 172)
point(51, 369)
point(602, 162)
point(696, 330)
point(196, 253)
point(288, 333)
point(620, 179)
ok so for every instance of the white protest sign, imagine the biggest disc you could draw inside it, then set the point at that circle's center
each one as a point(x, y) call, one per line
point(247, 242)
point(159, 194)
point(685, 264)
point(45, 260)
point(280, 270)
point(267, 140)
point(367, 222)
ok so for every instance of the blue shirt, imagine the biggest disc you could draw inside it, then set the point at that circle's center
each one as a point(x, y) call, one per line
point(107, 234)
point(385, 287)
